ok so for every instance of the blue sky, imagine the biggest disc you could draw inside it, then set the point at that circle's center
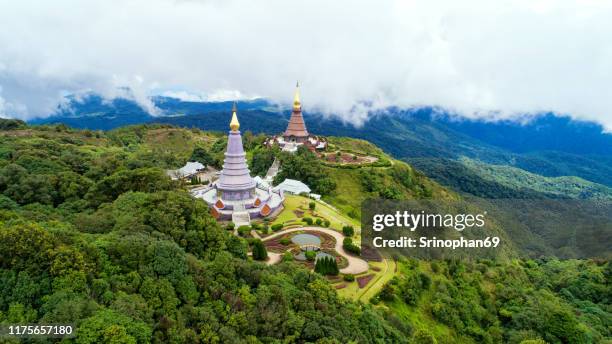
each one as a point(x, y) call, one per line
point(485, 59)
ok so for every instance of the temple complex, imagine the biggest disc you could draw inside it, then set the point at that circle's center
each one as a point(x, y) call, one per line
point(296, 133)
point(235, 195)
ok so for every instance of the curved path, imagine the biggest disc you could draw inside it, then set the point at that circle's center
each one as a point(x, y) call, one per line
point(355, 265)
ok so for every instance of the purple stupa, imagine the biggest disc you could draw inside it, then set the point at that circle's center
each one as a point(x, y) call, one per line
point(235, 195)
point(235, 182)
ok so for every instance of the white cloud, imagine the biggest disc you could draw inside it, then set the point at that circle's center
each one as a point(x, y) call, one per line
point(216, 96)
point(476, 57)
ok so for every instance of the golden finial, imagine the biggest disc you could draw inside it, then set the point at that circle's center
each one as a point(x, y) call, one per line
point(234, 124)
point(296, 98)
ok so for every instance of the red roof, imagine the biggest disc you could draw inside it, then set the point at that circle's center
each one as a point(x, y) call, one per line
point(266, 210)
point(219, 204)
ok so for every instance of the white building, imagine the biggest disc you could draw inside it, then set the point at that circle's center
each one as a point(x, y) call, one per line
point(190, 169)
point(292, 186)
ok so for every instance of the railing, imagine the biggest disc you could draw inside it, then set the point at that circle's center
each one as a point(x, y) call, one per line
point(312, 247)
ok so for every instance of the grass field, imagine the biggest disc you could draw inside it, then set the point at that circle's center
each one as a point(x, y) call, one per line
point(352, 290)
point(300, 203)
point(349, 193)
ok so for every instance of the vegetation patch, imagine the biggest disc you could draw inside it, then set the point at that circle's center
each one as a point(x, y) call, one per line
point(362, 281)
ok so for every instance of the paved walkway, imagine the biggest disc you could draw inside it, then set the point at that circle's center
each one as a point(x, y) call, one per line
point(273, 258)
point(355, 265)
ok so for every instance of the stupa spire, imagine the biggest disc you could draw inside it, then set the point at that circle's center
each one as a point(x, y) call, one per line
point(235, 179)
point(296, 97)
point(296, 129)
point(234, 124)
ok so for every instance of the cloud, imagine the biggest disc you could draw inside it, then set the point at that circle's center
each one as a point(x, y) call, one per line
point(478, 58)
point(216, 96)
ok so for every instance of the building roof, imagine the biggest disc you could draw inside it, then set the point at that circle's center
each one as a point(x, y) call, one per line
point(190, 168)
point(292, 186)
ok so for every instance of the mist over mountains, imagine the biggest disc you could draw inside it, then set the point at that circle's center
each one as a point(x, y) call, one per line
point(547, 145)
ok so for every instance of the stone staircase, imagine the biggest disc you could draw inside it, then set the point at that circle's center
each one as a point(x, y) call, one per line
point(272, 171)
point(241, 217)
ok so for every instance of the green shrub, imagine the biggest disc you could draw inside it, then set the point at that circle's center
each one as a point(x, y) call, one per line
point(310, 255)
point(348, 231)
point(259, 250)
point(422, 336)
point(312, 205)
point(387, 293)
point(285, 241)
point(307, 220)
point(318, 221)
point(348, 246)
point(277, 227)
point(287, 257)
point(348, 277)
point(327, 266)
point(326, 223)
point(244, 230)
point(230, 226)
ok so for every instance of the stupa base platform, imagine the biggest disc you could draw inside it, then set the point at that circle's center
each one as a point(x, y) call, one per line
point(265, 204)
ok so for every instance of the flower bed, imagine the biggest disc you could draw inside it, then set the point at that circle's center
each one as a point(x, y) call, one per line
point(362, 281)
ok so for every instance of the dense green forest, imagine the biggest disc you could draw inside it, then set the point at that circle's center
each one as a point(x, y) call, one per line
point(522, 301)
point(502, 181)
point(94, 233)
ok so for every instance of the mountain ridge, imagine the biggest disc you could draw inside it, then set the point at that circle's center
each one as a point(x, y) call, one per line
point(579, 149)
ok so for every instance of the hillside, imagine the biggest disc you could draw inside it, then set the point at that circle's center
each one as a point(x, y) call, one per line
point(391, 179)
point(525, 301)
point(93, 232)
point(503, 181)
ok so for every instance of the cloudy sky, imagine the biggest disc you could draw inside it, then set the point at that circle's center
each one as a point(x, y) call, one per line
point(479, 58)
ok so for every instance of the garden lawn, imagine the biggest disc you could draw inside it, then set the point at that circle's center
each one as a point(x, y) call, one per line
point(352, 290)
point(300, 203)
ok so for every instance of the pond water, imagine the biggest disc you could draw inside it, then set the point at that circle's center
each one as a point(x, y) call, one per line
point(306, 239)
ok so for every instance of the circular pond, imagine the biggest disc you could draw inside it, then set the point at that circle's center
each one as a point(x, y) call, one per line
point(306, 239)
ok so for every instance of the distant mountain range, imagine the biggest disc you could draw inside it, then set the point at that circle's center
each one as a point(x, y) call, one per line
point(94, 112)
point(444, 147)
